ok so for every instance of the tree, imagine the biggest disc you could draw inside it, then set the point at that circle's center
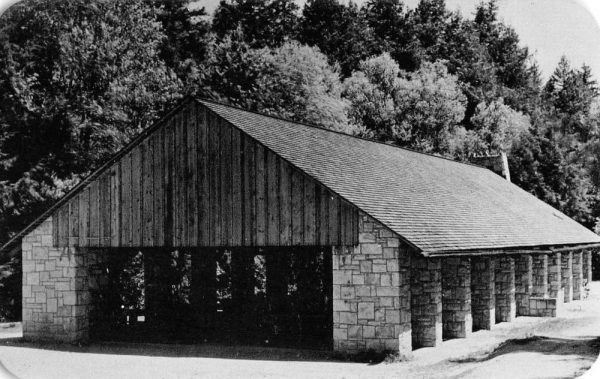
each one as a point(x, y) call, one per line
point(263, 23)
point(570, 91)
point(293, 81)
point(78, 81)
point(229, 72)
point(186, 32)
point(420, 110)
point(388, 21)
point(502, 44)
point(298, 83)
point(372, 92)
point(341, 32)
point(498, 126)
point(430, 106)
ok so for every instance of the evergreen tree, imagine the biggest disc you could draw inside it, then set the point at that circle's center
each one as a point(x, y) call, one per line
point(263, 23)
point(341, 32)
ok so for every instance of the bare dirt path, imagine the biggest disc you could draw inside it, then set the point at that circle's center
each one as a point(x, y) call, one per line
point(563, 347)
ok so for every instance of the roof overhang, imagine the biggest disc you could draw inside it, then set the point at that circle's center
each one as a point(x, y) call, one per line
point(510, 250)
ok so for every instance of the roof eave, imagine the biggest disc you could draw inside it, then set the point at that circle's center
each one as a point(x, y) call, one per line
point(510, 250)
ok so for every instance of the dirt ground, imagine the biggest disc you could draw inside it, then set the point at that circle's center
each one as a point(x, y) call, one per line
point(563, 347)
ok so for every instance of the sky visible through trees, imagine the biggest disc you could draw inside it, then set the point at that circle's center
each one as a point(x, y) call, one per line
point(80, 79)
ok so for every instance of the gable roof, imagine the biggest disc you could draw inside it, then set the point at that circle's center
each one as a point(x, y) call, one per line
point(437, 205)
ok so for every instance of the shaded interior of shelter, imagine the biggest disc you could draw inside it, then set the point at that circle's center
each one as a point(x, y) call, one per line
point(277, 297)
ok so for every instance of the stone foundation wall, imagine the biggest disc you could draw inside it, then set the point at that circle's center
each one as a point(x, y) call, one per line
point(482, 293)
point(577, 275)
point(543, 307)
point(371, 292)
point(456, 298)
point(505, 289)
point(56, 298)
point(567, 276)
point(523, 283)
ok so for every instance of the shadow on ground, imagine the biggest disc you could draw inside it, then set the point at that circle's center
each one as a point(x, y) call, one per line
point(586, 346)
point(201, 351)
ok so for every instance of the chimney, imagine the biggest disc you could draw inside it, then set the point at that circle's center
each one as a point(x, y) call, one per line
point(496, 163)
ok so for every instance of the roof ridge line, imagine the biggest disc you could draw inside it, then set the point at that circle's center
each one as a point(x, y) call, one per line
point(197, 98)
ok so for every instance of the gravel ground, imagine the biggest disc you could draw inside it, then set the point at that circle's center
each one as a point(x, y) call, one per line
point(563, 347)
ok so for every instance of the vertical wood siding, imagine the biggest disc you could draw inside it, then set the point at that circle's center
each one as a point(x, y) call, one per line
point(199, 181)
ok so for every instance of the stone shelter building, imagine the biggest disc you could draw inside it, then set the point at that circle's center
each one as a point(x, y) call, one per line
point(405, 249)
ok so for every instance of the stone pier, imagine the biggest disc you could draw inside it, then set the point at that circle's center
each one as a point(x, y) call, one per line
point(548, 295)
point(523, 283)
point(456, 298)
point(567, 276)
point(371, 292)
point(587, 268)
point(56, 296)
point(555, 290)
point(505, 289)
point(577, 275)
point(426, 301)
point(482, 293)
point(540, 275)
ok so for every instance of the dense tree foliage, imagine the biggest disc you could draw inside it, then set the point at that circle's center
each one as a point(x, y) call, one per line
point(79, 79)
point(263, 23)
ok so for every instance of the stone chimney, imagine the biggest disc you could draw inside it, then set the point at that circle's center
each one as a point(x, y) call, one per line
point(496, 163)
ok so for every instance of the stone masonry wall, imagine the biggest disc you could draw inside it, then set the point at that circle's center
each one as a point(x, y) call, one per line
point(523, 283)
point(371, 292)
point(577, 275)
point(482, 293)
point(56, 299)
point(567, 275)
point(456, 297)
point(505, 289)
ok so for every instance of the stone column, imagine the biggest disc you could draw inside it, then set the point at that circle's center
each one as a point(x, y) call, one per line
point(371, 292)
point(587, 268)
point(482, 293)
point(456, 297)
point(56, 297)
point(567, 275)
point(577, 275)
point(505, 289)
point(426, 301)
point(523, 283)
point(540, 275)
point(555, 290)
